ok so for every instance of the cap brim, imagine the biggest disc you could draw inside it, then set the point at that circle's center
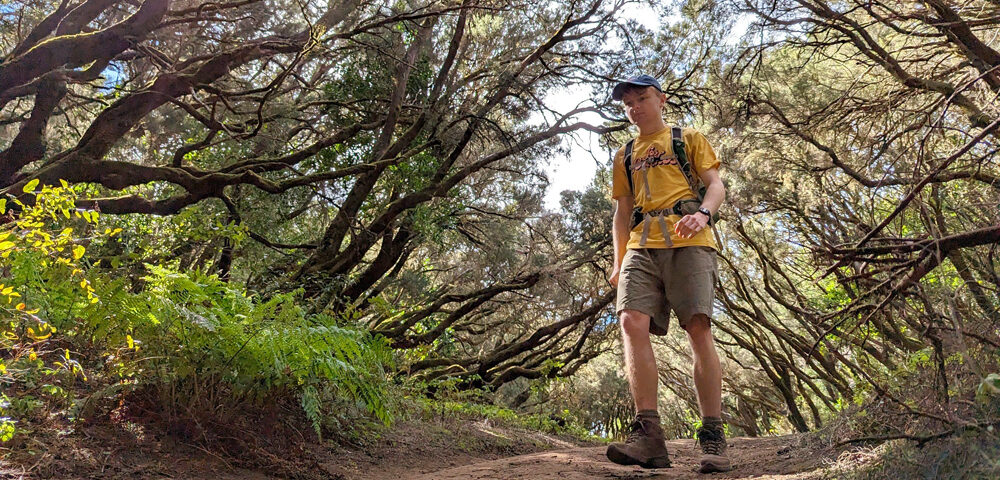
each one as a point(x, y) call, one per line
point(619, 91)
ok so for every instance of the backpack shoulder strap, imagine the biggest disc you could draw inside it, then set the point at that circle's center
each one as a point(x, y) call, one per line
point(680, 150)
point(682, 161)
point(628, 164)
point(636, 211)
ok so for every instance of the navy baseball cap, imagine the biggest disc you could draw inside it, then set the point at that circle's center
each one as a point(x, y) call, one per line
point(639, 81)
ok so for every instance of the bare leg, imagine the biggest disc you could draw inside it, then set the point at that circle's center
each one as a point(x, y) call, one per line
point(707, 370)
point(645, 445)
point(640, 364)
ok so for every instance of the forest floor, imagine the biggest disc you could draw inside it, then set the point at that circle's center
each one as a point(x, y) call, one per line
point(436, 449)
point(769, 458)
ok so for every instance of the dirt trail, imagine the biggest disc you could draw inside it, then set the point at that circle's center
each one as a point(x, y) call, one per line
point(770, 458)
point(419, 449)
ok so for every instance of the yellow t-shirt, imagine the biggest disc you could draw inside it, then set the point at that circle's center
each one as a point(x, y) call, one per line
point(654, 155)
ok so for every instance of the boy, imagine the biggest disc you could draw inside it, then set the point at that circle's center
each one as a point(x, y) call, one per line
point(665, 260)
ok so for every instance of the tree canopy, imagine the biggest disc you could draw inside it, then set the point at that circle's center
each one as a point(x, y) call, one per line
point(384, 163)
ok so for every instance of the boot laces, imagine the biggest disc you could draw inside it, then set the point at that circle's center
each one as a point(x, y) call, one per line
point(637, 430)
point(712, 442)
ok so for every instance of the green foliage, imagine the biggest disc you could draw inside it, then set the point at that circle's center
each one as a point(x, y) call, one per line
point(562, 423)
point(599, 397)
point(41, 250)
point(588, 213)
point(202, 333)
point(973, 455)
point(192, 337)
point(989, 390)
point(7, 428)
point(180, 239)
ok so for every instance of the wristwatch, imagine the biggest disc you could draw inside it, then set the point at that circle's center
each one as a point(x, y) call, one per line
point(706, 212)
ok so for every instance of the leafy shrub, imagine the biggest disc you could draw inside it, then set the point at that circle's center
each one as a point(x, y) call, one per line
point(202, 346)
point(204, 337)
point(41, 250)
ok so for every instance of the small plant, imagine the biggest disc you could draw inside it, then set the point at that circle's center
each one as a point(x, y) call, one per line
point(44, 244)
point(989, 389)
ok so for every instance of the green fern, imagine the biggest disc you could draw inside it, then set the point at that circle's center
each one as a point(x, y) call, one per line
point(311, 405)
point(192, 333)
point(200, 327)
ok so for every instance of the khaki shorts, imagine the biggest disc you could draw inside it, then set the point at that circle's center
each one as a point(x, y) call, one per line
point(655, 281)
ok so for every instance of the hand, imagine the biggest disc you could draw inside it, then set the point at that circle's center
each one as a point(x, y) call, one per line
point(613, 279)
point(690, 225)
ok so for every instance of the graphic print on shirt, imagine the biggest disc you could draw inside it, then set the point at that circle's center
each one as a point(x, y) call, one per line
point(654, 157)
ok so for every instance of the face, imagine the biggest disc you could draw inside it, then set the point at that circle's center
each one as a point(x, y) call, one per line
point(643, 105)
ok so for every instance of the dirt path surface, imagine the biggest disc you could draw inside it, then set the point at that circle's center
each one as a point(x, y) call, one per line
point(770, 458)
point(420, 449)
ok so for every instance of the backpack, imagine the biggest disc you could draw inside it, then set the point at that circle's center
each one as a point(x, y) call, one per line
point(696, 187)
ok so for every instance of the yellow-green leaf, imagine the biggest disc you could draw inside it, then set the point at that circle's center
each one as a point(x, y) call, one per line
point(6, 245)
point(30, 186)
point(78, 252)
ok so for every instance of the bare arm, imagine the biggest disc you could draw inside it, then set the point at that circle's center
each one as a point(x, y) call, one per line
point(715, 193)
point(620, 227)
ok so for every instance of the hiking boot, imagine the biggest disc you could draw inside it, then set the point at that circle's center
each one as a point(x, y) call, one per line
point(713, 450)
point(644, 446)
